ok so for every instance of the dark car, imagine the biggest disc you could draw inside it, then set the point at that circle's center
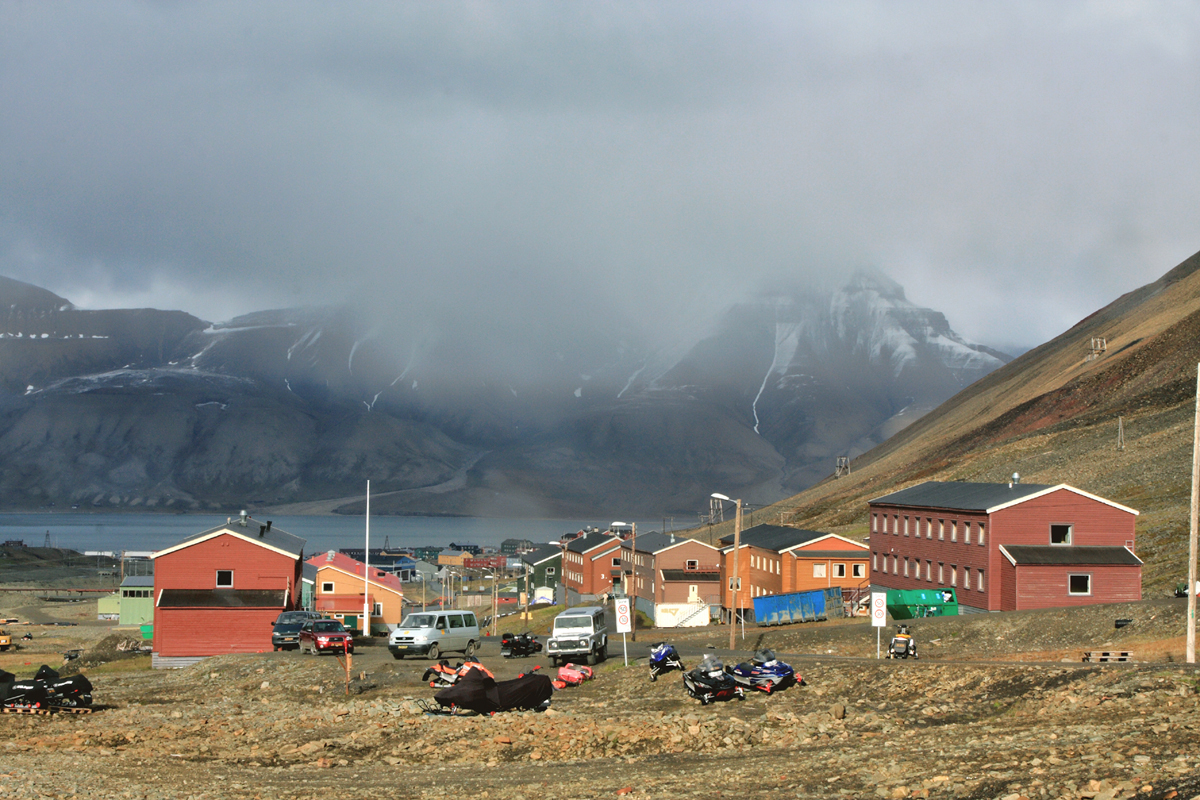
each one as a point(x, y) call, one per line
point(319, 635)
point(286, 633)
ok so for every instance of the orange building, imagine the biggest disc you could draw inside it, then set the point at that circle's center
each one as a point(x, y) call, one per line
point(778, 560)
point(340, 589)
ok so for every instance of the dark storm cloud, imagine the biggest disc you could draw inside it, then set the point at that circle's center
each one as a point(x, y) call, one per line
point(1015, 166)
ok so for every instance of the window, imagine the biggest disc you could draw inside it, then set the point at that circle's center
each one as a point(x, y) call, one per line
point(954, 574)
point(859, 570)
point(979, 580)
point(1061, 534)
point(954, 530)
point(327, 587)
point(966, 577)
point(549, 570)
point(906, 566)
point(885, 563)
point(377, 610)
point(1079, 584)
point(818, 570)
point(895, 565)
point(941, 529)
point(982, 531)
point(874, 562)
point(224, 579)
point(456, 621)
point(895, 524)
point(966, 533)
point(941, 573)
point(929, 571)
point(929, 527)
point(693, 563)
point(906, 524)
point(839, 570)
point(616, 561)
point(874, 523)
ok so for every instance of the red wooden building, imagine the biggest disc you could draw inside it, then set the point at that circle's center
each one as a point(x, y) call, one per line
point(1006, 547)
point(590, 563)
point(220, 591)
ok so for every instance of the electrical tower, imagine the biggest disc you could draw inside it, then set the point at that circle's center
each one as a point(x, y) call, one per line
point(843, 466)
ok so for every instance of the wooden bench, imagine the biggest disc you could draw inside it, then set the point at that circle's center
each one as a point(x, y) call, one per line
point(1107, 655)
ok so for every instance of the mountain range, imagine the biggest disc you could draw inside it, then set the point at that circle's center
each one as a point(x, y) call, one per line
point(1109, 407)
point(296, 408)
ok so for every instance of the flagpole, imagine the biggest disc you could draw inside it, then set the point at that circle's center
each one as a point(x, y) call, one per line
point(367, 570)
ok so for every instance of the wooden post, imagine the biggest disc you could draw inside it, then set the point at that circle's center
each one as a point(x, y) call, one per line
point(1192, 528)
point(737, 576)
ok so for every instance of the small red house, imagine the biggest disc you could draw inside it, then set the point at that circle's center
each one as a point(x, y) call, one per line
point(220, 591)
point(1006, 547)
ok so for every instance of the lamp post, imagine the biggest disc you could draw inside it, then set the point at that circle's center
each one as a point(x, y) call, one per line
point(735, 583)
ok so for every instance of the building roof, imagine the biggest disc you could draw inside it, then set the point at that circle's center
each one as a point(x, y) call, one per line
point(655, 542)
point(138, 580)
point(1069, 556)
point(350, 566)
point(308, 572)
point(980, 497)
point(263, 534)
point(801, 550)
point(590, 541)
point(543, 552)
point(689, 576)
point(222, 598)
point(772, 537)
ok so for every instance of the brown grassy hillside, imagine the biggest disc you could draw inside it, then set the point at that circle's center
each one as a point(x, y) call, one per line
point(1052, 416)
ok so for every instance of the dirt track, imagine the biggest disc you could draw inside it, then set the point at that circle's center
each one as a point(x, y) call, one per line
point(280, 725)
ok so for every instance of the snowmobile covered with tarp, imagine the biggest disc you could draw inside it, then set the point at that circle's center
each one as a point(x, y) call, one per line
point(46, 690)
point(480, 692)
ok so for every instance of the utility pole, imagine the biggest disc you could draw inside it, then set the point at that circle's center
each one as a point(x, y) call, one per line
point(737, 575)
point(1192, 543)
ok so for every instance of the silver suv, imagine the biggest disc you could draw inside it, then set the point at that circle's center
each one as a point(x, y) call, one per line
point(578, 632)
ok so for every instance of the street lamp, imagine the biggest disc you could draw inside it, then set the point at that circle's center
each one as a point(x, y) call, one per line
point(735, 583)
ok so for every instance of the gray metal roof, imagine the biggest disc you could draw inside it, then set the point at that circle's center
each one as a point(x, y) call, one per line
point(255, 530)
point(543, 552)
point(959, 495)
point(308, 572)
point(654, 542)
point(138, 580)
point(1070, 556)
point(589, 540)
point(222, 598)
point(773, 537)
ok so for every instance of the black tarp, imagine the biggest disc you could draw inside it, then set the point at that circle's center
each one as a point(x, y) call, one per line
point(479, 692)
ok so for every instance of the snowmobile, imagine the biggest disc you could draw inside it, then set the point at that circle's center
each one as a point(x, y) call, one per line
point(709, 682)
point(479, 692)
point(572, 675)
point(74, 691)
point(663, 658)
point(903, 644)
point(764, 672)
point(519, 645)
point(441, 674)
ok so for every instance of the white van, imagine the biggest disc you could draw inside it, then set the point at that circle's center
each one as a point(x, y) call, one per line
point(431, 633)
point(579, 633)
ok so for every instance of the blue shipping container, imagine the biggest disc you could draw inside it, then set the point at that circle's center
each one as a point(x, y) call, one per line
point(784, 609)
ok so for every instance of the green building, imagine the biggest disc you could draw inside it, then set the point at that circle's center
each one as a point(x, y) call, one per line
point(137, 600)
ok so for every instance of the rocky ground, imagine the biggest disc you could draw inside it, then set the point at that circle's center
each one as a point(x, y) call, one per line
point(998, 706)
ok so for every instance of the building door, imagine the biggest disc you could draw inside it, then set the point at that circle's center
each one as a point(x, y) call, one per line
point(693, 593)
point(350, 621)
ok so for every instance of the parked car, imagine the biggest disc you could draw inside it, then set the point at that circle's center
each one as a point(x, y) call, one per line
point(319, 635)
point(433, 633)
point(286, 632)
point(578, 632)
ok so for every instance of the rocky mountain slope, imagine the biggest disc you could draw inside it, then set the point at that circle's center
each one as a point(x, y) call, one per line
point(1115, 421)
point(154, 409)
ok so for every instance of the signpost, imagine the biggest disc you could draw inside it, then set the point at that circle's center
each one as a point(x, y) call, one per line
point(624, 623)
point(878, 616)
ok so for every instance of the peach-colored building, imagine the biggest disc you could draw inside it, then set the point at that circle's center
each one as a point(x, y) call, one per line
point(340, 588)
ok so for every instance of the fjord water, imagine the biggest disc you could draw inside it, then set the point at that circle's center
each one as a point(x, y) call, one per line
point(101, 531)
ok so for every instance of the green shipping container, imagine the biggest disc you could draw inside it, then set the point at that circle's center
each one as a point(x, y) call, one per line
point(917, 603)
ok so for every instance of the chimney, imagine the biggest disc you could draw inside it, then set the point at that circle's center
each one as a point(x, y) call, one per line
point(243, 517)
point(262, 531)
point(329, 556)
point(268, 526)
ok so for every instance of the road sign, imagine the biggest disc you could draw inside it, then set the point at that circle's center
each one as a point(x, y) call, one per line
point(624, 617)
point(879, 609)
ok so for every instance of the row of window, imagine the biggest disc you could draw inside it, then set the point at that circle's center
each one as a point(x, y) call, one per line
point(135, 593)
point(912, 569)
point(901, 525)
point(839, 570)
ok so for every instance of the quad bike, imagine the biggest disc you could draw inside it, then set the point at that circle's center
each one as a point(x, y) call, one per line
point(903, 644)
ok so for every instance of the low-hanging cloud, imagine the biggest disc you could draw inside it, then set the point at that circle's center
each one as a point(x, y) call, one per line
point(1014, 166)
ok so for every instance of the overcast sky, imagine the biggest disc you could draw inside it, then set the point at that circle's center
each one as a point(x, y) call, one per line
point(1016, 166)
